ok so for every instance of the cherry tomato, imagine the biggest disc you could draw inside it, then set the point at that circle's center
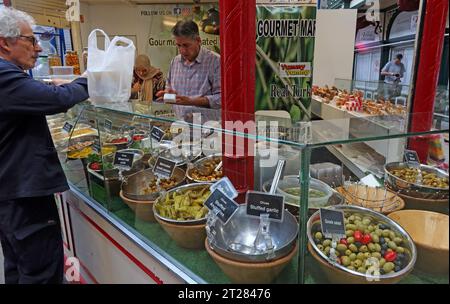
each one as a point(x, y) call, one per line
point(96, 166)
point(366, 239)
point(343, 241)
point(358, 236)
point(390, 256)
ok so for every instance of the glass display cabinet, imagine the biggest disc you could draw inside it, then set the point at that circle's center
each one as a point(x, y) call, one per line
point(150, 171)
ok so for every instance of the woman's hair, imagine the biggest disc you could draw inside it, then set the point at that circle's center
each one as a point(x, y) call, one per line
point(10, 20)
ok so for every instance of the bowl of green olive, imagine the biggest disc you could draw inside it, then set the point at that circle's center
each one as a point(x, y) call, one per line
point(422, 181)
point(375, 249)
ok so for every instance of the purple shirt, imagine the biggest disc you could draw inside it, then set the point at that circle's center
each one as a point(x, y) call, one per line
point(199, 78)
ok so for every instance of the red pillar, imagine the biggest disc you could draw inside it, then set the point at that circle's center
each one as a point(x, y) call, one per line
point(427, 72)
point(238, 51)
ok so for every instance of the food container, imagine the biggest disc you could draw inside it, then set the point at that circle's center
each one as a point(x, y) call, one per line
point(181, 155)
point(142, 209)
point(189, 233)
point(319, 192)
point(61, 70)
point(240, 272)
point(235, 240)
point(337, 273)
point(133, 187)
point(118, 141)
point(429, 231)
point(415, 189)
point(211, 161)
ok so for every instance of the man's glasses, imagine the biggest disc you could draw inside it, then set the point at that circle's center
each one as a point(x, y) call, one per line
point(32, 39)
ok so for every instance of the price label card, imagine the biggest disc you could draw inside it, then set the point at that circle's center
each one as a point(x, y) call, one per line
point(123, 160)
point(96, 147)
point(108, 125)
point(67, 127)
point(225, 185)
point(225, 206)
point(157, 134)
point(411, 157)
point(164, 167)
point(332, 222)
point(260, 202)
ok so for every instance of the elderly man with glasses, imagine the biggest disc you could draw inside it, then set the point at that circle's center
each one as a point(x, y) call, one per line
point(30, 172)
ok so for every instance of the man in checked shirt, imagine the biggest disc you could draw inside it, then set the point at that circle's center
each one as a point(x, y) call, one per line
point(194, 75)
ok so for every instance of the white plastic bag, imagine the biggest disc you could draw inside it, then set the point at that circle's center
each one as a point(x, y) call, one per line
point(110, 71)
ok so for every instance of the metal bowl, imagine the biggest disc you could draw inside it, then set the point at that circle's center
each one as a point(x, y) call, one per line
point(414, 189)
point(133, 186)
point(200, 162)
point(181, 190)
point(314, 222)
point(235, 240)
point(181, 154)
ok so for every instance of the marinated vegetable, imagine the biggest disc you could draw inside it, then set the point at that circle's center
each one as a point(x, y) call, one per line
point(428, 178)
point(184, 205)
point(165, 184)
point(207, 173)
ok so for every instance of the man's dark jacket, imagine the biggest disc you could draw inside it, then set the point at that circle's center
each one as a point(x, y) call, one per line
point(29, 164)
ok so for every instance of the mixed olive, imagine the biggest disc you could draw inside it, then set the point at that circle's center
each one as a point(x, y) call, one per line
point(411, 175)
point(367, 243)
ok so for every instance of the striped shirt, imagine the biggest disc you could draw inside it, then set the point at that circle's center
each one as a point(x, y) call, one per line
point(196, 79)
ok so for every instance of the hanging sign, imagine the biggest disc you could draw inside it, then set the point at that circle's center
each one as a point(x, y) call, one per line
point(285, 36)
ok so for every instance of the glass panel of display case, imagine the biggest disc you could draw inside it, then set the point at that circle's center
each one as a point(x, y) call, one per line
point(386, 238)
point(173, 163)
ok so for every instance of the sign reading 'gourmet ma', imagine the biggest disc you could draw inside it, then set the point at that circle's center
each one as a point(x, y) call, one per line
point(286, 28)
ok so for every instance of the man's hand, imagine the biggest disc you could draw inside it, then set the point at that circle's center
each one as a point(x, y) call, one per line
point(183, 100)
point(58, 82)
point(160, 94)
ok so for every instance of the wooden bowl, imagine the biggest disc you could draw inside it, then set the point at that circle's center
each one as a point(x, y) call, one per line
point(142, 209)
point(248, 272)
point(338, 276)
point(429, 231)
point(435, 205)
point(186, 236)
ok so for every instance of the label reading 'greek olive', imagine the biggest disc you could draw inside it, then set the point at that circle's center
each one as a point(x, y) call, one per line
point(164, 167)
point(332, 222)
point(411, 157)
point(221, 205)
point(67, 127)
point(123, 160)
point(260, 203)
point(157, 134)
point(108, 125)
point(225, 185)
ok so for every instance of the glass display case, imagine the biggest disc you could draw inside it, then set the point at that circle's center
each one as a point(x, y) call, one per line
point(115, 156)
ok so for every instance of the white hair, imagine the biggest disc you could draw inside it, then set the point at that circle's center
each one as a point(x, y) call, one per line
point(10, 20)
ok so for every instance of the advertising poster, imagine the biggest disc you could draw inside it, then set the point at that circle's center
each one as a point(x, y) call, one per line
point(285, 37)
point(157, 23)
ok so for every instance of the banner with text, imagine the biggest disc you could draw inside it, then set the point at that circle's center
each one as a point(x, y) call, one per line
point(284, 56)
point(159, 20)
